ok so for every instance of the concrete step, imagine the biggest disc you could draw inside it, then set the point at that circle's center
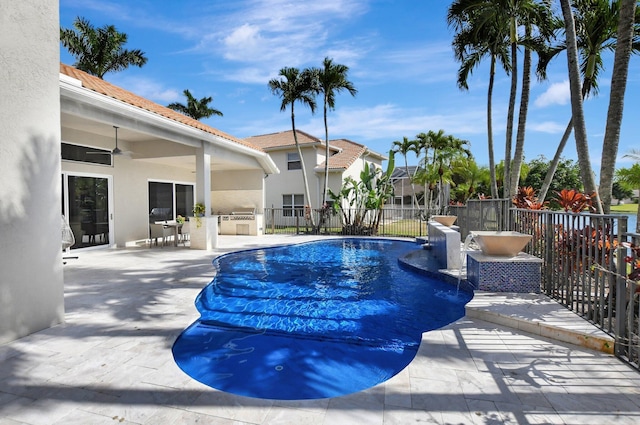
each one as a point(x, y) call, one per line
point(539, 315)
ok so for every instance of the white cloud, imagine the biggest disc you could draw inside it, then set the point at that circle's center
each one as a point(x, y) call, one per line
point(556, 94)
point(392, 122)
point(547, 127)
point(148, 89)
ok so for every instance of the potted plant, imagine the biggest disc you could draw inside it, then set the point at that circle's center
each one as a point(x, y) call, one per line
point(198, 211)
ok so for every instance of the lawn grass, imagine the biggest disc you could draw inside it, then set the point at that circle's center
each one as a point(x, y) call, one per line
point(625, 208)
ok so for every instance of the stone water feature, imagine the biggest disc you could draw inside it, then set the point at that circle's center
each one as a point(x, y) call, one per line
point(499, 265)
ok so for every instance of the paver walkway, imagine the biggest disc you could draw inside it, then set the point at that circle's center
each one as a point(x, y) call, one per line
point(111, 363)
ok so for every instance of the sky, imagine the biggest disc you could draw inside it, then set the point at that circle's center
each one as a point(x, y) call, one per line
point(399, 57)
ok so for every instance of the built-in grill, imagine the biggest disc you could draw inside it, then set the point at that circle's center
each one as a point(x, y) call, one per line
point(241, 221)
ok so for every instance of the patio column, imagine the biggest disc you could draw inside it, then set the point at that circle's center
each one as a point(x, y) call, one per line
point(204, 235)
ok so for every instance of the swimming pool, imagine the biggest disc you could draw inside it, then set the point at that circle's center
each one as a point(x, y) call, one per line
point(313, 320)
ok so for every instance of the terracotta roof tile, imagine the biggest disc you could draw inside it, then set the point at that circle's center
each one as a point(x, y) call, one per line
point(282, 139)
point(103, 87)
point(350, 152)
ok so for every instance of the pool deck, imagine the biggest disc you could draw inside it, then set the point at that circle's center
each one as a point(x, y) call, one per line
point(111, 362)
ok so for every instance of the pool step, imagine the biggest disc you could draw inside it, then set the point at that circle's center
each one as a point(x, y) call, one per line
point(539, 315)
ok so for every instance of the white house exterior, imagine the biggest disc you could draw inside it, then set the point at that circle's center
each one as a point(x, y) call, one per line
point(286, 190)
point(31, 281)
point(58, 132)
point(169, 162)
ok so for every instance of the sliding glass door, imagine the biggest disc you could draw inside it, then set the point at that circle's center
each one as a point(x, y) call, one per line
point(86, 206)
point(168, 200)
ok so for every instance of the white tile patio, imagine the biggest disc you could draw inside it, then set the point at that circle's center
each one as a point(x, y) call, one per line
point(111, 361)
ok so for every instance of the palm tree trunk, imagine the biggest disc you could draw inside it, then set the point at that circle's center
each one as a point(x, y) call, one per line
point(577, 111)
point(553, 167)
point(616, 99)
point(492, 161)
point(522, 120)
point(304, 169)
point(554, 163)
point(510, 115)
point(326, 157)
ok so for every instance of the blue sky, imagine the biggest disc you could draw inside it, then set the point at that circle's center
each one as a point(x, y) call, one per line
point(399, 57)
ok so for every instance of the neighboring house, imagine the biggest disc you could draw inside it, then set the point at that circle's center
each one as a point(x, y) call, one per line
point(168, 162)
point(286, 190)
point(403, 192)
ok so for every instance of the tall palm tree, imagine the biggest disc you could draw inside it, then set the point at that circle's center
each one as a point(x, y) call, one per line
point(474, 40)
point(545, 24)
point(195, 108)
point(577, 111)
point(404, 148)
point(518, 12)
point(596, 32)
point(491, 27)
point(98, 51)
point(624, 48)
point(332, 79)
point(295, 86)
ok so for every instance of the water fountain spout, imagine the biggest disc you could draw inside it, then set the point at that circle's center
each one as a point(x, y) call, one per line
point(463, 258)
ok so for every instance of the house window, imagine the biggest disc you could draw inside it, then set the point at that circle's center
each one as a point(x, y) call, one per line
point(293, 205)
point(293, 161)
point(85, 154)
point(168, 200)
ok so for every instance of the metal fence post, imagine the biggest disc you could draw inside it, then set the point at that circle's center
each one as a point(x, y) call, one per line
point(621, 335)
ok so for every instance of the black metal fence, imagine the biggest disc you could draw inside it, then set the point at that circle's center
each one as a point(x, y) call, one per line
point(391, 222)
point(482, 214)
point(584, 269)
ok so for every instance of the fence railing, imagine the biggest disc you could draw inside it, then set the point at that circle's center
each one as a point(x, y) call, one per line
point(482, 214)
point(584, 269)
point(392, 222)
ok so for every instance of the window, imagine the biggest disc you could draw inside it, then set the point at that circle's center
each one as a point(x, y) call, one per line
point(85, 154)
point(293, 161)
point(168, 200)
point(293, 205)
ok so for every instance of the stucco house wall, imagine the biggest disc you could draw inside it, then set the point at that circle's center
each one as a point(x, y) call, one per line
point(31, 282)
point(290, 181)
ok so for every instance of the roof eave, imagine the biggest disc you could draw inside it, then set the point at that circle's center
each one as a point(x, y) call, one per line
point(98, 106)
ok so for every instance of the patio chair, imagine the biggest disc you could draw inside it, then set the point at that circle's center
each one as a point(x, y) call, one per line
point(184, 232)
point(159, 231)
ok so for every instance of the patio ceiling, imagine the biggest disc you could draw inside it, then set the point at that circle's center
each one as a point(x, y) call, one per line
point(150, 136)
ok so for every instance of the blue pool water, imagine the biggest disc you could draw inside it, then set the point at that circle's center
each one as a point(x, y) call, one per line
point(313, 320)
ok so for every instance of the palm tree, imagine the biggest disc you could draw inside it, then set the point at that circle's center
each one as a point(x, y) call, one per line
point(332, 79)
point(597, 22)
point(475, 40)
point(546, 24)
point(295, 86)
point(445, 149)
point(98, 51)
point(577, 111)
point(624, 48)
point(633, 154)
point(195, 108)
point(404, 148)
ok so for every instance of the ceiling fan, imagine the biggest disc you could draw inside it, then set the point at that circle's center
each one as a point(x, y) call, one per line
point(115, 151)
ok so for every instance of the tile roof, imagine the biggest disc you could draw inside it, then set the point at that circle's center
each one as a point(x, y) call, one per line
point(350, 152)
point(103, 87)
point(282, 139)
point(344, 152)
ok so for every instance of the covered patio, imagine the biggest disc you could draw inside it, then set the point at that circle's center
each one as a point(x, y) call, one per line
point(165, 162)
